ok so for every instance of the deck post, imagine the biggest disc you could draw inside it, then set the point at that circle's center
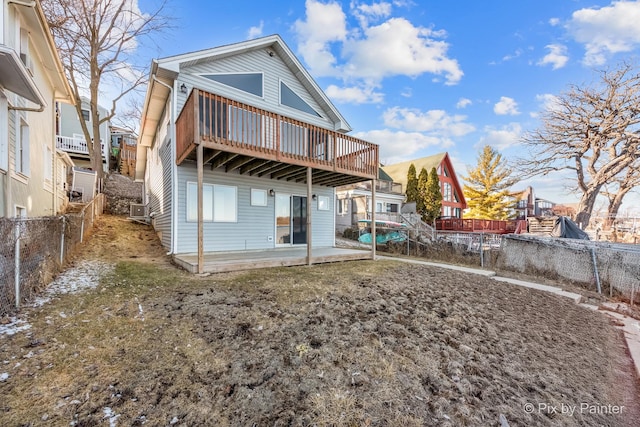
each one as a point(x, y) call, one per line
point(309, 200)
point(200, 166)
point(373, 219)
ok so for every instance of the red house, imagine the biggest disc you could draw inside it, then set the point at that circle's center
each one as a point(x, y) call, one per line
point(453, 202)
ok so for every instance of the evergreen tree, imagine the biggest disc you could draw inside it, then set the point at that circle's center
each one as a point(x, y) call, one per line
point(412, 185)
point(487, 189)
point(423, 186)
point(432, 198)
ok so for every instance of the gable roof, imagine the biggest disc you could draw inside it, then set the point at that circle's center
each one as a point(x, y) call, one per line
point(277, 45)
point(398, 171)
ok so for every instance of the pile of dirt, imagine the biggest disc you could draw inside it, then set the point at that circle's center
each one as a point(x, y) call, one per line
point(348, 344)
point(121, 191)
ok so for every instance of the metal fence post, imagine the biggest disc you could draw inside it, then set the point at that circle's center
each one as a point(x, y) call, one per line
point(16, 273)
point(481, 251)
point(595, 269)
point(62, 241)
point(82, 226)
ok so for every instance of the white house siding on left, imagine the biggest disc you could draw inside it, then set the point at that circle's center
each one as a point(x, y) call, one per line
point(30, 190)
point(255, 224)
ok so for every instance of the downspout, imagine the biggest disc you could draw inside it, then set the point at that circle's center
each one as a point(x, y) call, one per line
point(174, 226)
point(33, 110)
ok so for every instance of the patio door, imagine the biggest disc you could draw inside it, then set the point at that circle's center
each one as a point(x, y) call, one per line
point(291, 220)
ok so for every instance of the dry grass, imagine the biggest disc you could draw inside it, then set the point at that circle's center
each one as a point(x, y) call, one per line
point(347, 344)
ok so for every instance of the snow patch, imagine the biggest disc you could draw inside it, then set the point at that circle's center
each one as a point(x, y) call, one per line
point(14, 326)
point(108, 413)
point(73, 280)
point(4, 376)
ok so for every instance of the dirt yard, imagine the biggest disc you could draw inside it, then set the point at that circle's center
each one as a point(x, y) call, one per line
point(346, 344)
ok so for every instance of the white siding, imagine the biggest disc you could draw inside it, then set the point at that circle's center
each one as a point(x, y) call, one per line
point(255, 223)
point(274, 71)
point(159, 166)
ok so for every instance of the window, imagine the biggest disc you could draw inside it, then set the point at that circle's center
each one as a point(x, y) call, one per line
point(323, 203)
point(447, 192)
point(289, 98)
point(85, 115)
point(245, 126)
point(192, 202)
point(392, 207)
point(447, 211)
point(293, 139)
point(378, 206)
point(24, 48)
point(249, 82)
point(48, 165)
point(219, 203)
point(258, 197)
point(343, 206)
point(224, 203)
point(22, 149)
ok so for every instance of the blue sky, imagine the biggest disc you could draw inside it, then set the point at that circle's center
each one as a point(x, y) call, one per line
point(422, 77)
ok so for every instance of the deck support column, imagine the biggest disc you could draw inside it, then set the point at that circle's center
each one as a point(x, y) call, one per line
point(200, 166)
point(309, 200)
point(373, 219)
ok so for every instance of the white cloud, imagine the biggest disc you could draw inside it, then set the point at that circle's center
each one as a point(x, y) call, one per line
point(506, 106)
point(514, 55)
point(501, 138)
point(435, 121)
point(408, 50)
point(548, 102)
point(398, 146)
point(354, 95)
point(557, 56)
point(324, 24)
point(605, 31)
point(255, 32)
point(554, 22)
point(369, 12)
point(463, 103)
point(394, 47)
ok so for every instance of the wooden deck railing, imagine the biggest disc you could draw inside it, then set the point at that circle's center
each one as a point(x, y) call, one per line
point(477, 225)
point(229, 125)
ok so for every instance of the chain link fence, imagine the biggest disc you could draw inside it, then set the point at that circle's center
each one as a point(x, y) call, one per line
point(607, 268)
point(33, 251)
point(613, 269)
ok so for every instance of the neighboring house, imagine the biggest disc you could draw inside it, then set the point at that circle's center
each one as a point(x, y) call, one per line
point(123, 151)
point(353, 202)
point(229, 139)
point(71, 138)
point(32, 80)
point(453, 202)
point(525, 204)
point(528, 205)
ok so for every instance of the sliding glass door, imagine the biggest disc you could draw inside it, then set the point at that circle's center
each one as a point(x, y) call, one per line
point(291, 220)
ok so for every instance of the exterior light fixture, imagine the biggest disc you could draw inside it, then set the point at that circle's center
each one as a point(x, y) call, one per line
point(183, 88)
point(272, 192)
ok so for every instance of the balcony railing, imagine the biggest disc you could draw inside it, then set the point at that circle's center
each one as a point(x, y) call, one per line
point(74, 145)
point(223, 124)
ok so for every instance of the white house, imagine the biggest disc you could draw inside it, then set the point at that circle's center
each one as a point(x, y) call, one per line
point(32, 171)
point(240, 150)
point(70, 137)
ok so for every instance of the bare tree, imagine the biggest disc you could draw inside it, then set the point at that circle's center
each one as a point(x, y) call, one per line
point(592, 131)
point(623, 185)
point(96, 40)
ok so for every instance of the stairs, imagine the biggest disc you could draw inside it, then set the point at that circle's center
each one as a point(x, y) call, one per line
point(423, 231)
